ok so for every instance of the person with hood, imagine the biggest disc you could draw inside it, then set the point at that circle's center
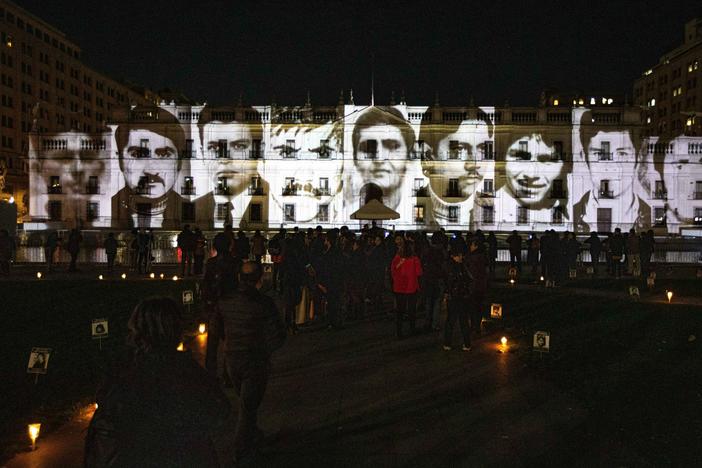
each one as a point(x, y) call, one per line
point(161, 408)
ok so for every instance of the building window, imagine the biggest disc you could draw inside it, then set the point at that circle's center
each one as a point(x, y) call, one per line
point(323, 186)
point(222, 151)
point(522, 215)
point(255, 187)
point(55, 211)
point(54, 184)
point(697, 216)
point(188, 187)
point(418, 188)
point(222, 211)
point(557, 215)
point(92, 211)
point(488, 213)
point(453, 188)
point(323, 213)
point(659, 217)
point(488, 188)
point(419, 214)
point(289, 213)
point(222, 186)
point(605, 189)
point(255, 213)
point(557, 189)
point(324, 149)
point(187, 211)
point(92, 188)
point(488, 150)
point(659, 191)
point(289, 150)
point(289, 188)
point(188, 151)
point(453, 214)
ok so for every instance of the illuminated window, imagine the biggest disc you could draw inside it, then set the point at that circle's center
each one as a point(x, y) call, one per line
point(488, 214)
point(659, 217)
point(54, 184)
point(453, 214)
point(419, 214)
point(323, 213)
point(555, 102)
point(289, 213)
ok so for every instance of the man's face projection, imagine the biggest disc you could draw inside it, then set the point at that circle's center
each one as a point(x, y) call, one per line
point(623, 152)
point(466, 143)
point(387, 165)
point(530, 169)
point(226, 173)
point(149, 163)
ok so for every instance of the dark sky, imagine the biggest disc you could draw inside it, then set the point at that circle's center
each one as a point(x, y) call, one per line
point(493, 50)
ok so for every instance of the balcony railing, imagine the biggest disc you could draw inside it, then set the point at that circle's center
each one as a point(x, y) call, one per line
point(220, 154)
point(453, 194)
point(487, 194)
point(606, 194)
point(256, 191)
point(488, 221)
point(524, 194)
point(660, 195)
point(558, 156)
point(418, 154)
point(558, 194)
point(697, 195)
point(490, 156)
point(54, 189)
point(187, 154)
point(187, 190)
point(289, 191)
point(223, 191)
point(322, 191)
point(92, 189)
point(604, 156)
point(523, 155)
point(420, 192)
point(145, 190)
point(255, 154)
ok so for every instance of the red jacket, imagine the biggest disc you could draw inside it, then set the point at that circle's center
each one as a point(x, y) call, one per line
point(405, 274)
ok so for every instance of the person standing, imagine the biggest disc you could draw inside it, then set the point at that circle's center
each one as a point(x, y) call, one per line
point(492, 253)
point(143, 251)
point(242, 246)
point(199, 251)
point(647, 246)
point(52, 243)
point(616, 249)
point(186, 244)
point(533, 250)
point(330, 280)
point(633, 253)
point(160, 409)
point(595, 250)
point(433, 282)
point(253, 330)
point(74, 240)
point(477, 267)
point(275, 250)
point(458, 285)
point(514, 241)
point(376, 262)
point(258, 246)
point(5, 252)
point(405, 271)
point(110, 246)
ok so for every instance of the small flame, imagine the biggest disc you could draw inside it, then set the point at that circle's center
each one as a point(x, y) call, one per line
point(100, 277)
point(670, 296)
point(152, 276)
point(161, 276)
point(33, 430)
point(503, 340)
point(511, 281)
point(175, 277)
point(38, 274)
point(202, 328)
point(180, 347)
point(124, 276)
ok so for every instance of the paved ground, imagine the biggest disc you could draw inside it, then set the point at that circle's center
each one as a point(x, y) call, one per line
point(627, 394)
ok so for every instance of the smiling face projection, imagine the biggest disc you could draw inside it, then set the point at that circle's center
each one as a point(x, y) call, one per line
point(149, 162)
point(530, 169)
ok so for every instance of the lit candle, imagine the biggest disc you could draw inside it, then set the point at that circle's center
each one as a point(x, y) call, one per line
point(161, 276)
point(38, 274)
point(542, 278)
point(124, 276)
point(503, 340)
point(175, 277)
point(202, 329)
point(180, 347)
point(511, 281)
point(152, 275)
point(100, 277)
point(670, 296)
point(34, 433)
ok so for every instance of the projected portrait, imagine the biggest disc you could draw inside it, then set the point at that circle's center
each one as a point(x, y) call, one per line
point(616, 181)
point(455, 159)
point(231, 154)
point(381, 141)
point(532, 167)
point(307, 178)
point(149, 159)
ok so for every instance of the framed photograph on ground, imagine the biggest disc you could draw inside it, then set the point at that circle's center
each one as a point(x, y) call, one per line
point(542, 341)
point(99, 328)
point(38, 360)
point(496, 311)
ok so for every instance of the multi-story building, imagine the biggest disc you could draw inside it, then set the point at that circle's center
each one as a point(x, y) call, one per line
point(44, 88)
point(567, 166)
point(671, 91)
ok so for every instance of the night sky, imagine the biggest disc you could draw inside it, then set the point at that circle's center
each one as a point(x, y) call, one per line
point(493, 50)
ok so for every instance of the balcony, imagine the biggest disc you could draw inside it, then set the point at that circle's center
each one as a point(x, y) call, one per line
point(697, 195)
point(54, 189)
point(418, 154)
point(321, 192)
point(92, 189)
point(558, 194)
point(606, 194)
point(325, 153)
point(660, 195)
point(187, 190)
point(488, 221)
point(523, 155)
point(487, 194)
point(223, 191)
point(453, 194)
point(143, 190)
point(420, 192)
point(289, 191)
point(220, 154)
point(490, 156)
point(524, 194)
point(604, 156)
point(558, 156)
point(256, 191)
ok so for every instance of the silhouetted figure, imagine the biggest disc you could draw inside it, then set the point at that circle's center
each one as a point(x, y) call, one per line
point(73, 247)
point(110, 246)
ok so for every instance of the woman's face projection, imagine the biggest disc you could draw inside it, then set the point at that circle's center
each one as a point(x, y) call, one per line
point(530, 170)
point(149, 163)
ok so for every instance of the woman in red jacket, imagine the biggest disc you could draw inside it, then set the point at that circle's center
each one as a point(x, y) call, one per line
point(405, 270)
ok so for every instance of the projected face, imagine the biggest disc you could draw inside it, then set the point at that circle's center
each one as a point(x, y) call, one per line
point(467, 142)
point(381, 159)
point(149, 162)
point(227, 145)
point(530, 170)
point(623, 152)
point(309, 182)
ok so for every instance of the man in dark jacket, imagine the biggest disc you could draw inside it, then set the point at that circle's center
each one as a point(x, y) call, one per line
point(330, 280)
point(253, 329)
point(492, 253)
point(514, 241)
point(186, 243)
point(74, 240)
point(595, 249)
point(458, 284)
point(616, 248)
point(110, 245)
point(433, 282)
point(477, 265)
